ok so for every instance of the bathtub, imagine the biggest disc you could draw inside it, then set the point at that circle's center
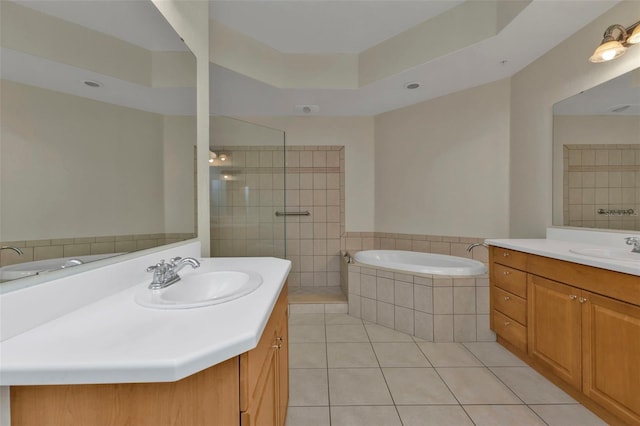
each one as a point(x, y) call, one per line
point(421, 263)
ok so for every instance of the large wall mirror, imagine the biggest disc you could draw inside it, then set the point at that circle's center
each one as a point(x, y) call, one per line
point(596, 156)
point(98, 134)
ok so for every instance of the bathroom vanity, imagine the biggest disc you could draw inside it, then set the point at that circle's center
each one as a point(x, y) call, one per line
point(577, 324)
point(114, 362)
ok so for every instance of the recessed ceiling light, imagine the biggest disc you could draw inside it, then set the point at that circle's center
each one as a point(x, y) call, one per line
point(92, 83)
point(412, 85)
point(306, 109)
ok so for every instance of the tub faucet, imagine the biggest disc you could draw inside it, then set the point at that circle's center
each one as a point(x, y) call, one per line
point(474, 245)
point(635, 242)
point(165, 274)
point(16, 249)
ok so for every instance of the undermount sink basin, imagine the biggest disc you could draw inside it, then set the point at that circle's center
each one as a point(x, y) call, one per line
point(201, 289)
point(608, 253)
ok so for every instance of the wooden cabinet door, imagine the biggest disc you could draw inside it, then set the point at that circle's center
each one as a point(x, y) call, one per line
point(283, 369)
point(611, 364)
point(554, 327)
point(263, 408)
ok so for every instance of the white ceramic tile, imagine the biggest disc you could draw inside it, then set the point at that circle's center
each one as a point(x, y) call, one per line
point(368, 286)
point(351, 355)
point(503, 415)
point(358, 386)
point(368, 309)
point(365, 416)
point(336, 308)
point(423, 298)
point(530, 386)
point(464, 328)
point(403, 294)
point(404, 320)
point(443, 415)
point(308, 387)
point(399, 354)
point(346, 333)
point(306, 333)
point(307, 355)
point(341, 319)
point(417, 386)
point(483, 330)
point(423, 324)
point(567, 415)
point(448, 355)
point(443, 328)
point(354, 306)
point(464, 300)
point(378, 333)
point(386, 314)
point(385, 289)
point(306, 319)
point(443, 300)
point(306, 308)
point(477, 386)
point(492, 354)
point(308, 416)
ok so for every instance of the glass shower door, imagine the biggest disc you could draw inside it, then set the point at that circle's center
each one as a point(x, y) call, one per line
point(247, 189)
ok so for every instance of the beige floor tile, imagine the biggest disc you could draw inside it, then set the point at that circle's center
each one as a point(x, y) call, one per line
point(306, 319)
point(477, 386)
point(448, 355)
point(341, 319)
point(502, 415)
point(567, 415)
point(378, 333)
point(307, 355)
point(433, 415)
point(413, 386)
point(346, 333)
point(531, 387)
point(306, 334)
point(399, 354)
point(365, 416)
point(358, 386)
point(308, 387)
point(492, 354)
point(351, 355)
point(308, 416)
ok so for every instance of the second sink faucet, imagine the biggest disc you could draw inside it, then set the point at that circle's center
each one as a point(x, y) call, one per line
point(165, 274)
point(635, 242)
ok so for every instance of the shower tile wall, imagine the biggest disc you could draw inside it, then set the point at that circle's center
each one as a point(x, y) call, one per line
point(243, 208)
point(315, 183)
point(601, 177)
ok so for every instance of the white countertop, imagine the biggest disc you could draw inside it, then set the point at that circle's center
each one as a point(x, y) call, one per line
point(114, 340)
point(558, 249)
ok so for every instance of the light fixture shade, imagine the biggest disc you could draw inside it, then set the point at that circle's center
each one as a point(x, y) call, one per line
point(607, 51)
point(634, 38)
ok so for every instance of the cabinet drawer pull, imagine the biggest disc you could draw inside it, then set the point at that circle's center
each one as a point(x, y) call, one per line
point(507, 323)
point(507, 298)
point(276, 346)
point(582, 300)
point(573, 297)
point(506, 273)
point(505, 254)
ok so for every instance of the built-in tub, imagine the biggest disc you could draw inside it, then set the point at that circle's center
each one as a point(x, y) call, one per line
point(421, 263)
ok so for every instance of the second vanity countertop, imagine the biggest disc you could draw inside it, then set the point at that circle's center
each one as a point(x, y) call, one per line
point(558, 249)
point(114, 340)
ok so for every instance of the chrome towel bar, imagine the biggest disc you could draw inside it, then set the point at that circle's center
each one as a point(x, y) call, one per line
point(304, 213)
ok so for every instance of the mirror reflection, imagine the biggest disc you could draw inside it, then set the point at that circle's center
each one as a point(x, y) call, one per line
point(596, 136)
point(98, 133)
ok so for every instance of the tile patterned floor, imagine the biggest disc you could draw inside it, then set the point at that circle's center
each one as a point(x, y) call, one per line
point(346, 372)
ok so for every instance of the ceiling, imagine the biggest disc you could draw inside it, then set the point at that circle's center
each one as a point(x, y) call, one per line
point(312, 27)
point(307, 26)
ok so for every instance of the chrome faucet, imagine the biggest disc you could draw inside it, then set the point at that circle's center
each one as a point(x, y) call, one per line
point(635, 242)
point(474, 245)
point(165, 274)
point(16, 249)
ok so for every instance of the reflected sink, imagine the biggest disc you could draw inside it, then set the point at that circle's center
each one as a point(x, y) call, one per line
point(36, 267)
point(201, 289)
point(608, 253)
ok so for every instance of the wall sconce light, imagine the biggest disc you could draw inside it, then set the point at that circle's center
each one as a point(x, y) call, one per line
point(212, 156)
point(615, 42)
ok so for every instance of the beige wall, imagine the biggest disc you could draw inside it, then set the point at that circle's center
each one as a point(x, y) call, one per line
point(356, 135)
point(190, 19)
point(441, 166)
point(560, 73)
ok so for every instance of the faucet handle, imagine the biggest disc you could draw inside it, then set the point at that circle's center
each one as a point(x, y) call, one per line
point(632, 240)
point(157, 267)
point(174, 260)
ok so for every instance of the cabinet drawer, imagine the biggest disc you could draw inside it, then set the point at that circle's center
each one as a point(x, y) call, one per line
point(509, 304)
point(510, 279)
point(510, 330)
point(515, 259)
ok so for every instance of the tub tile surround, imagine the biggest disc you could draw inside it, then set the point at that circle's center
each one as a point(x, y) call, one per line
point(359, 373)
point(432, 307)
